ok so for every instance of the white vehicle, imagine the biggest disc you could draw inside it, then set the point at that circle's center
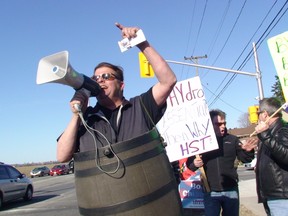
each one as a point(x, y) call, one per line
point(252, 164)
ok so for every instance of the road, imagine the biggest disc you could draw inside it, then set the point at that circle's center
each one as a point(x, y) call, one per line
point(245, 173)
point(55, 196)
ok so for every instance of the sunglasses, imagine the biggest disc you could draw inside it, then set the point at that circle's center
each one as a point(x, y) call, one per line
point(105, 76)
point(220, 123)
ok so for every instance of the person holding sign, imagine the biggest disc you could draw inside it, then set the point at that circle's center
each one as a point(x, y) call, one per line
point(272, 158)
point(220, 170)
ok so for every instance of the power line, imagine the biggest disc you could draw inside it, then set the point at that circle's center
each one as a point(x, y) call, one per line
point(190, 30)
point(224, 45)
point(200, 26)
point(215, 37)
point(251, 52)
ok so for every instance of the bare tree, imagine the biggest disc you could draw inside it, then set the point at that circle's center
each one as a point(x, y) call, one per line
point(243, 120)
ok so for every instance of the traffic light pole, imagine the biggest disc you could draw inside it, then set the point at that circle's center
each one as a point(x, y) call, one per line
point(257, 74)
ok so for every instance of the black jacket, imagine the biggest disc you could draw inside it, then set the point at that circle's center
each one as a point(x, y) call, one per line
point(272, 162)
point(219, 165)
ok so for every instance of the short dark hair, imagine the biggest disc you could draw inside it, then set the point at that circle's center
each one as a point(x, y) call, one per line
point(217, 112)
point(118, 70)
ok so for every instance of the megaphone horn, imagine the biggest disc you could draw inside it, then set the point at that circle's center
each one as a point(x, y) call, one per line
point(56, 69)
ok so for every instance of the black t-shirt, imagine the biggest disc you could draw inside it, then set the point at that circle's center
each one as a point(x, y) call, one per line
point(133, 118)
point(111, 116)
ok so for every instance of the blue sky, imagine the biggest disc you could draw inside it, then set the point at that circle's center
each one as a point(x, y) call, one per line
point(33, 116)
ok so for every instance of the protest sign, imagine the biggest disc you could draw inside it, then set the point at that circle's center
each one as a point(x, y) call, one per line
point(191, 192)
point(278, 46)
point(186, 125)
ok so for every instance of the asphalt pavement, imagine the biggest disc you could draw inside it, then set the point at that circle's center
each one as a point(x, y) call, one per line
point(248, 197)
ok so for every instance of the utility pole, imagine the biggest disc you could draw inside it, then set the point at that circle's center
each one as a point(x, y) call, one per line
point(257, 74)
point(192, 58)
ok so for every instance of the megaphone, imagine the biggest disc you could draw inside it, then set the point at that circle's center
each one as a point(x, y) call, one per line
point(56, 69)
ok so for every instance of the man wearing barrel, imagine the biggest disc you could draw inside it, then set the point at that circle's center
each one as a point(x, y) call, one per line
point(120, 163)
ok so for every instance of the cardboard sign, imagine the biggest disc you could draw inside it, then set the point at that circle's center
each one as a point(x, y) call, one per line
point(278, 46)
point(186, 125)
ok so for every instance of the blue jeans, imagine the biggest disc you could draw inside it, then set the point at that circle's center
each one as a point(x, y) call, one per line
point(228, 201)
point(278, 207)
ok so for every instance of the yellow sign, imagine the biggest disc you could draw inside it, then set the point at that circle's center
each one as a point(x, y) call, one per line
point(253, 114)
point(146, 70)
point(278, 46)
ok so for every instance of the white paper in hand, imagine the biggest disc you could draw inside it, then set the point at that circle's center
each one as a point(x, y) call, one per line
point(126, 43)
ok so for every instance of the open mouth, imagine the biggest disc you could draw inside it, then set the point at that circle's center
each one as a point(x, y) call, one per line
point(222, 131)
point(103, 87)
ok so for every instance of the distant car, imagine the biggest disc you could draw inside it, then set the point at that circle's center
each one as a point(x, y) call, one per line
point(252, 164)
point(14, 185)
point(71, 166)
point(60, 169)
point(40, 171)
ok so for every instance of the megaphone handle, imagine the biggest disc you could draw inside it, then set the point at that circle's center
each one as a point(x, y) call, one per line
point(77, 107)
point(91, 85)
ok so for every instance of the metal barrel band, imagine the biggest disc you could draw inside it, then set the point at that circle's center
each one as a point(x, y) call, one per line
point(151, 136)
point(126, 162)
point(131, 204)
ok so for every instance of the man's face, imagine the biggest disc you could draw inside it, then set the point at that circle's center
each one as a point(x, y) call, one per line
point(262, 116)
point(219, 125)
point(111, 87)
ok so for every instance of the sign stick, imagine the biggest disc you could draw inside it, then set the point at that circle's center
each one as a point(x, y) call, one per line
point(204, 178)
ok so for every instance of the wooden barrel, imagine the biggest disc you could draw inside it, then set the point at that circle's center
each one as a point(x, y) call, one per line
point(143, 184)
